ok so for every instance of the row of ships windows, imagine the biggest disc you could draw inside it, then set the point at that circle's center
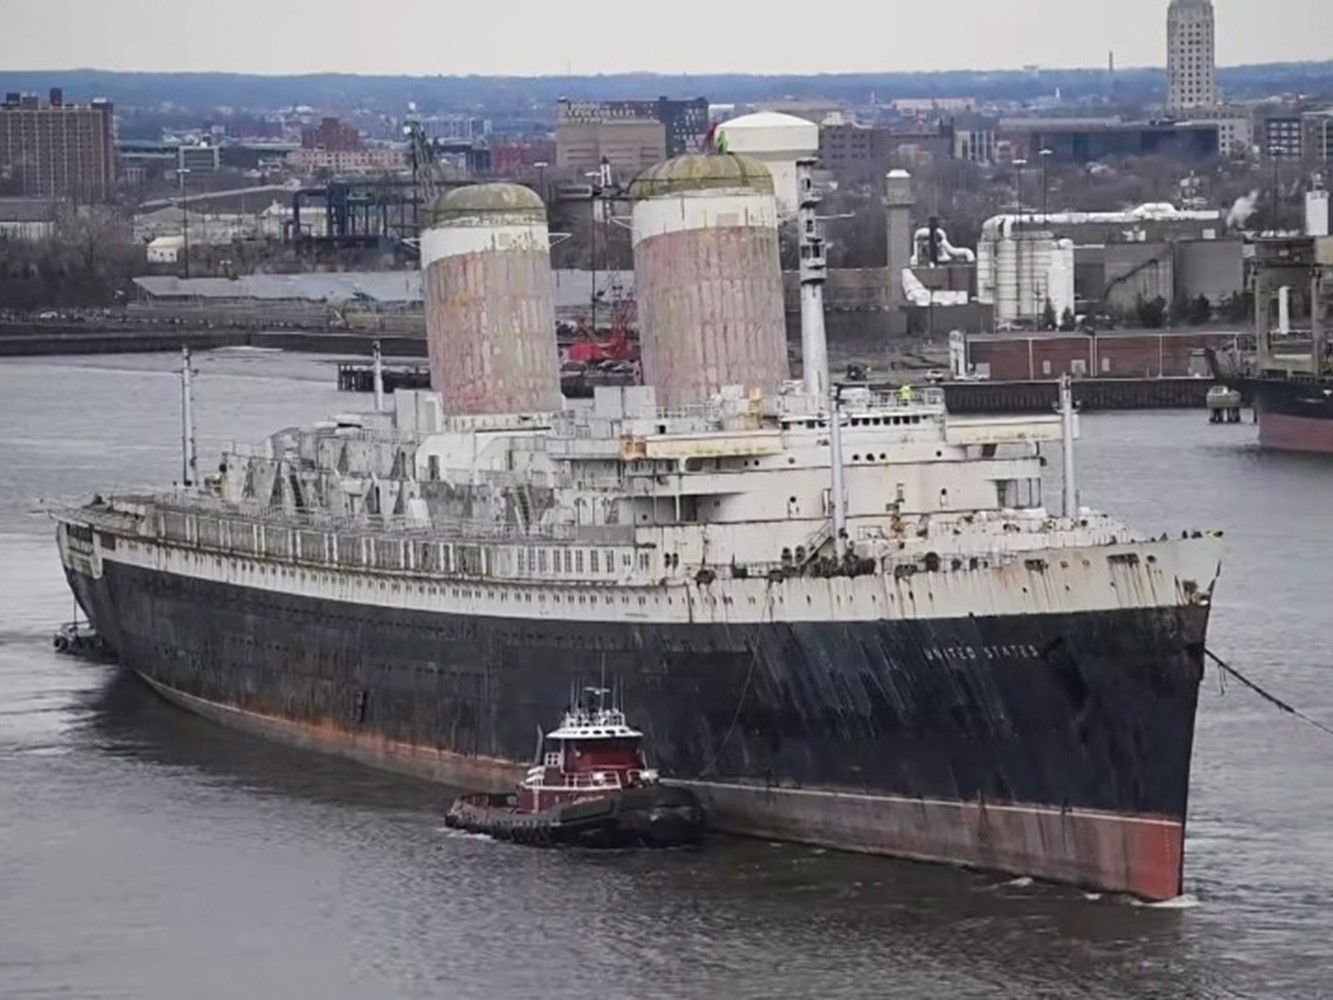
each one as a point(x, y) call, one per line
point(857, 421)
point(534, 560)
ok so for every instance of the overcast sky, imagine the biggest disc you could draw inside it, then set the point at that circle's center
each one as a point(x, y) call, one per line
point(535, 37)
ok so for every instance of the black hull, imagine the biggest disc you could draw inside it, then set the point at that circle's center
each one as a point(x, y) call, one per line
point(639, 817)
point(1294, 414)
point(1055, 745)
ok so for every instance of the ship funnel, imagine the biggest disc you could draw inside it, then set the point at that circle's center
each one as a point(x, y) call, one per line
point(490, 302)
point(707, 278)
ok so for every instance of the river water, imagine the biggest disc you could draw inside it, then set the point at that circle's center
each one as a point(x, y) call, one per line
point(145, 853)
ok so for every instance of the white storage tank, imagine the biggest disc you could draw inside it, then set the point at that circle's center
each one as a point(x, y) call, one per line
point(777, 141)
point(707, 279)
point(490, 302)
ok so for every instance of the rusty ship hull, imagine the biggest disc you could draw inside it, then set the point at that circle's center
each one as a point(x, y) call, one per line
point(1294, 414)
point(1055, 744)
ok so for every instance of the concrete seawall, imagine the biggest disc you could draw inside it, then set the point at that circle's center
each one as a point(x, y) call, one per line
point(17, 340)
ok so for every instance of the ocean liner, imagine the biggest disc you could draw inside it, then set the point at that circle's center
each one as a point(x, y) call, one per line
point(841, 617)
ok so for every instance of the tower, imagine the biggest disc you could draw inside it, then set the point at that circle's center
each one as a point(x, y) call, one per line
point(1191, 61)
point(898, 204)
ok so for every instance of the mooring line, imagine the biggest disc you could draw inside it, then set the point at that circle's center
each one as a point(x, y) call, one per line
point(1228, 668)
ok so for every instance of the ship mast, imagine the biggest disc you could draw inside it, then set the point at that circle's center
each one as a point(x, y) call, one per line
point(1067, 442)
point(814, 266)
point(189, 464)
point(838, 500)
point(378, 376)
point(814, 341)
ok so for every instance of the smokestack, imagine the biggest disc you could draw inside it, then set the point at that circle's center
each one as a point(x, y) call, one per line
point(898, 203)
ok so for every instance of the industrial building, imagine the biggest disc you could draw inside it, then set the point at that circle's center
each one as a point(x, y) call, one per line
point(1110, 354)
point(198, 159)
point(629, 135)
point(354, 161)
point(1235, 129)
point(1072, 258)
point(1084, 140)
point(627, 145)
point(58, 149)
point(28, 218)
point(1191, 62)
point(857, 152)
point(684, 122)
point(331, 134)
point(975, 137)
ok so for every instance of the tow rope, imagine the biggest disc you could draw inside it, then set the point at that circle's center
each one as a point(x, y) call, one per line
point(1271, 698)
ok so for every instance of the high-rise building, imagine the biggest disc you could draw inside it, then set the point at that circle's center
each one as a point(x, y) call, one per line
point(1191, 65)
point(57, 149)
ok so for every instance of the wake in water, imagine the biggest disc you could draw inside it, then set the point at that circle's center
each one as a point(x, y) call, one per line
point(1187, 901)
point(453, 834)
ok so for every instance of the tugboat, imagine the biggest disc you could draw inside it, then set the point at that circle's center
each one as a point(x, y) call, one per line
point(593, 788)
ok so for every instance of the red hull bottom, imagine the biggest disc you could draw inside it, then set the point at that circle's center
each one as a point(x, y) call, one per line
point(1288, 433)
point(1139, 855)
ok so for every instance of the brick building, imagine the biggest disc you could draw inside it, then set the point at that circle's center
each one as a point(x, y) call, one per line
point(331, 135)
point(1017, 357)
point(58, 149)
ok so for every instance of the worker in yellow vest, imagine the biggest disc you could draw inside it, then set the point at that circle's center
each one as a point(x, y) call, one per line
point(905, 394)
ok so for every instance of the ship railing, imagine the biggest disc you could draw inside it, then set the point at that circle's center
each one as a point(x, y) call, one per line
point(592, 779)
point(375, 526)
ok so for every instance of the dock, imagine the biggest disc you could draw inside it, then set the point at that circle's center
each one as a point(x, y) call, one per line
point(1090, 395)
point(355, 376)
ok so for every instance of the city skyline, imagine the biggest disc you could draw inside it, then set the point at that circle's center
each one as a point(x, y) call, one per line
point(302, 36)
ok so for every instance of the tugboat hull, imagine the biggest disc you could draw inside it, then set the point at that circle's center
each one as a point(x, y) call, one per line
point(656, 816)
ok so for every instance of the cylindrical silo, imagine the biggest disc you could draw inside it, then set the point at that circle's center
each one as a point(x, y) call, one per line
point(707, 280)
point(490, 301)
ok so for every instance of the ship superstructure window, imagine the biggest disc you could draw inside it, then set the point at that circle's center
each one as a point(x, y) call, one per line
point(541, 559)
point(578, 561)
point(522, 561)
point(568, 561)
point(593, 562)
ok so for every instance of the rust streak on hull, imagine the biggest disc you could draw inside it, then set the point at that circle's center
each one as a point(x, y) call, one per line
point(453, 769)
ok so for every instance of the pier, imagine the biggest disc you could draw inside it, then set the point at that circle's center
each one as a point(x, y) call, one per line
point(355, 376)
point(1090, 394)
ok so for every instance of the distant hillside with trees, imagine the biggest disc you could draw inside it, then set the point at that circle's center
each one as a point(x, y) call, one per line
point(339, 92)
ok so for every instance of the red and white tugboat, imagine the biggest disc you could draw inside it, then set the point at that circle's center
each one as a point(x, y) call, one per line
point(592, 789)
